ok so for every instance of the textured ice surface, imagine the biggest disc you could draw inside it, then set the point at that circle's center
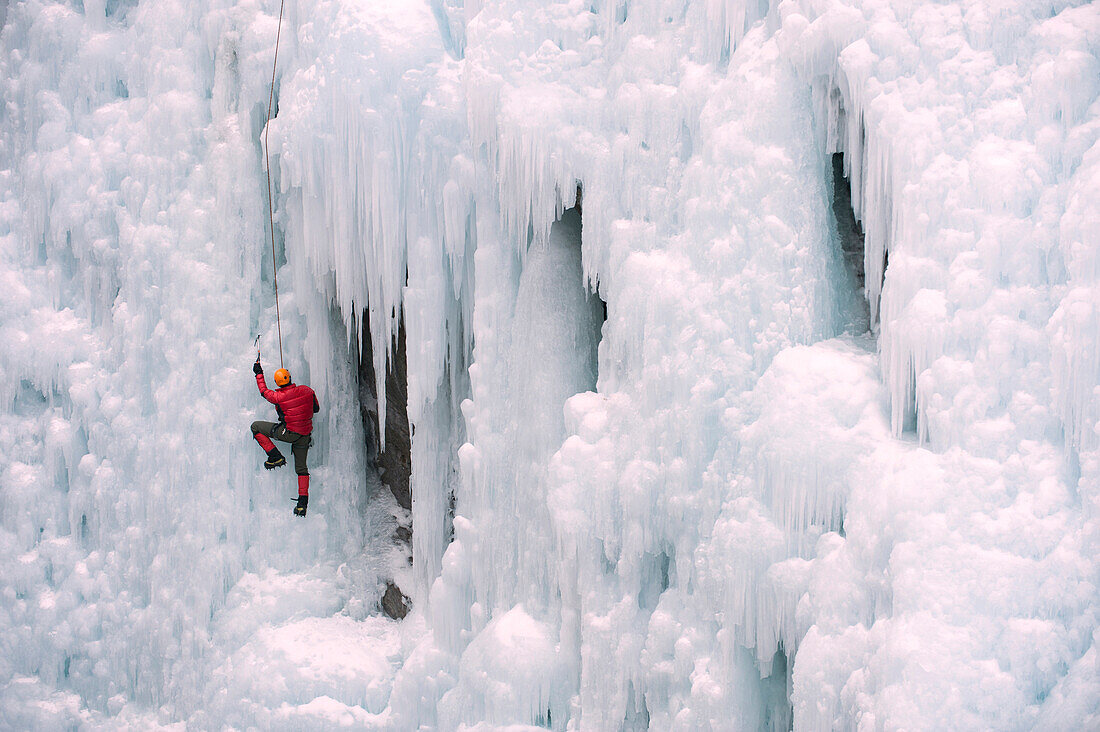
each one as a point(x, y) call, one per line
point(715, 509)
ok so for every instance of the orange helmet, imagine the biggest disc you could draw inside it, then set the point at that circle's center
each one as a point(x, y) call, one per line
point(282, 377)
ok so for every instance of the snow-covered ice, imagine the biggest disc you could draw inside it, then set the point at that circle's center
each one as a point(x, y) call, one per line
point(662, 478)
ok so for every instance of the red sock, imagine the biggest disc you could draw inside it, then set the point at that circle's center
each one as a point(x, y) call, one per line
point(265, 443)
point(303, 485)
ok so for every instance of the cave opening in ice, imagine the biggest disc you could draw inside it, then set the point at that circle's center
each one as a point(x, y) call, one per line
point(388, 445)
point(569, 227)
point(851, 241)
point(856, 193)
point(387, 436)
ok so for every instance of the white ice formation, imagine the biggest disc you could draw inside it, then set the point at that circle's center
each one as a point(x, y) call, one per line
point(672, 469)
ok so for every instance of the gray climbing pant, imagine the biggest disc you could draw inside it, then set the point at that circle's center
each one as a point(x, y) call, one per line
point(299, 444)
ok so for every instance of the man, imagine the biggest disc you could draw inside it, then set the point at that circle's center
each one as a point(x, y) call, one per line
point(295, 404)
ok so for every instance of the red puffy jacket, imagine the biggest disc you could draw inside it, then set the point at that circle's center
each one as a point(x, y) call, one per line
point(296, 404)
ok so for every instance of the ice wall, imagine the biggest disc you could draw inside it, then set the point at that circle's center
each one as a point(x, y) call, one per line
point(874, 516)
point(713, 510)
point(706, 229)
point(378, 212)
point(133, 513)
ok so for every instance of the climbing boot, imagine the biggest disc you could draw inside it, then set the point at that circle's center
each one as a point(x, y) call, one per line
point(303, 495)
point(274, 460)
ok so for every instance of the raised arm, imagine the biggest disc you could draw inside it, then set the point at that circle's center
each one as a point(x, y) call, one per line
point(266, 393)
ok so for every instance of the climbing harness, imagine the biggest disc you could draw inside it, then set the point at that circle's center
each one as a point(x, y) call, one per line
point(267, 160)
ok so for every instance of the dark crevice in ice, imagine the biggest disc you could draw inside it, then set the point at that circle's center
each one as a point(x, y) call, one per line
point(850, 238)
point(778, 712)
point(637, 711)
point(592, 287)
point(909, 419)
point(656, 573)
point(393, 464)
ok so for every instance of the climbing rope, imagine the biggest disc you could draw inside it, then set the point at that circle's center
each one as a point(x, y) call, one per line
point(267, 160)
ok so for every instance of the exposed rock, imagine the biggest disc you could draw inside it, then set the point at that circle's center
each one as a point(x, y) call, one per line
point(395, 462)
point(394, 602)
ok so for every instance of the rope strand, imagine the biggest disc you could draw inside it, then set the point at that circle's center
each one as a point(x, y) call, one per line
point(267, 160)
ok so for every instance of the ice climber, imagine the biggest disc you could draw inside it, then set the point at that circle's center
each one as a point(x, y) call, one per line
point(295, 404)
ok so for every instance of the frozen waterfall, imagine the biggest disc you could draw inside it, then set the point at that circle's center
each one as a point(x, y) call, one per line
point(728, 365)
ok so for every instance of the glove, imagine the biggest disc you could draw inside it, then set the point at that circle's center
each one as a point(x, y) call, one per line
point(257, 368)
